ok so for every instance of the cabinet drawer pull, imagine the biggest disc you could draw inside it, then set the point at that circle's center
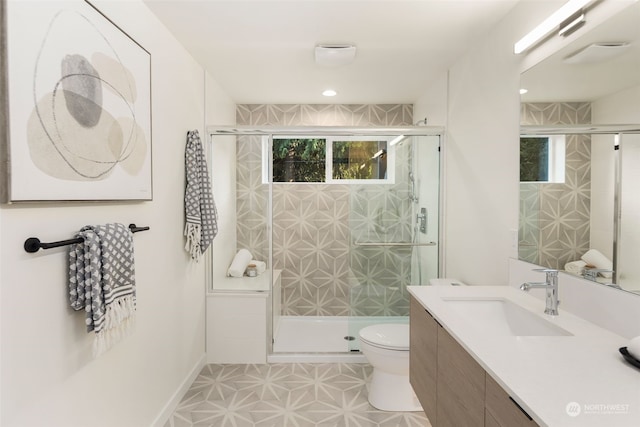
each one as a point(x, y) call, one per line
point(520, 407)
point(431, 315)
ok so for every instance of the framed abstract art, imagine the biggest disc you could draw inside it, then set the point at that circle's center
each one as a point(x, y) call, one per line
point(78, 105)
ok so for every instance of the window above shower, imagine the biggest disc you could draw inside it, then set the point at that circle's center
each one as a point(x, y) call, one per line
point(330, 160)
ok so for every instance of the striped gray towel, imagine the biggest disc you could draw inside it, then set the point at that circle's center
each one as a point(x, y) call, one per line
point(102, 282)
point(200, 210)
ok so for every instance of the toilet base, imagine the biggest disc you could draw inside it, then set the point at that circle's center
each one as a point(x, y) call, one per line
point(401, 399)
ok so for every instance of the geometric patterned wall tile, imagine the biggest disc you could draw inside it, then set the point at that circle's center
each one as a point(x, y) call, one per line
point(315, 225)
point(554, 218)
point(325, 115)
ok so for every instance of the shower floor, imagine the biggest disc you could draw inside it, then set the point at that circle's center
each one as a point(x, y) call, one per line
point(305, 335)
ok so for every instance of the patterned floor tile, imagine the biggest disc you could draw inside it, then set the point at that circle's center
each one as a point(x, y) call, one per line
point(285, 395)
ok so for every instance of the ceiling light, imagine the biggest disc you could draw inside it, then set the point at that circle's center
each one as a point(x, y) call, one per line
point(597, 52)
point(329, 92)
point(523, 91)
point(549, 24)
point(333, 55)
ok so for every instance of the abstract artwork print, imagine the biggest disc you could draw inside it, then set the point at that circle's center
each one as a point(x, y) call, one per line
point(80, 105)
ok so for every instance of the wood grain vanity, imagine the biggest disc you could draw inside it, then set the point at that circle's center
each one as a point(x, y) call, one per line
point(452, 387)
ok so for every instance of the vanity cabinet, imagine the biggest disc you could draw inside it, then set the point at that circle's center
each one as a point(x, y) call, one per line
point(454, 390)
point(460, 394)
point(423, 374)
point(500, 410)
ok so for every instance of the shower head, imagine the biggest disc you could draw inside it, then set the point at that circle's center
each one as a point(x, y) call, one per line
point(397, 140)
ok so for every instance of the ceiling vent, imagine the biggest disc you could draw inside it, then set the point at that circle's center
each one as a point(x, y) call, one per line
point(333, 55)
point(597, 52)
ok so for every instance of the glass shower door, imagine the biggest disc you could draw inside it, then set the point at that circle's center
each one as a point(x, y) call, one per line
point(394, 236)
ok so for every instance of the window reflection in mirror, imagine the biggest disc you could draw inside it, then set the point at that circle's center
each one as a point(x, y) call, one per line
point(542, 158)
point(561, 222)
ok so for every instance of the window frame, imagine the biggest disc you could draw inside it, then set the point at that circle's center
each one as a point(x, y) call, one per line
point(267, 158)
point(391, 157)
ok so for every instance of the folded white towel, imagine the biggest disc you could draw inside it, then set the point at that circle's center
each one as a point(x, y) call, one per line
point(261, 266)
point(240, 263)
point(575, 267)
point(595, 258)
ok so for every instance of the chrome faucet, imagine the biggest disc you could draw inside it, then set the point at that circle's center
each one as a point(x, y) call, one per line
point(550, 285)
point(592, 273)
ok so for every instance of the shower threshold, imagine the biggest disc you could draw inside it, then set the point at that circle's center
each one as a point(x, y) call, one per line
point(322, 339)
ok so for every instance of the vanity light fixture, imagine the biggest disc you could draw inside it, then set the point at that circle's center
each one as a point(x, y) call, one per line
point(329, 92)
point(548, 25)
point(571, 24)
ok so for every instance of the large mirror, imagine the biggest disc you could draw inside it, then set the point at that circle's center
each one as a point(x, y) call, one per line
point(580, 156)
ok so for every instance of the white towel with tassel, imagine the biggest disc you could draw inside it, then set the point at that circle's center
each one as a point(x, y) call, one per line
point(240, 263)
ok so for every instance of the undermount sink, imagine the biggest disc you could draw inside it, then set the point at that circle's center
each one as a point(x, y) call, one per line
point(499, 316)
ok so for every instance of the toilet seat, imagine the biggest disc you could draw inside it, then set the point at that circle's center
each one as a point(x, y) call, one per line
point(388, 336)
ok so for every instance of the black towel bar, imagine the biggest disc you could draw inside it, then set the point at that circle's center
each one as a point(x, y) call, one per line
point(33, 244)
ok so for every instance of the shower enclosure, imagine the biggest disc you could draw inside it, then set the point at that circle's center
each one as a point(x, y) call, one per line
point(346, 219)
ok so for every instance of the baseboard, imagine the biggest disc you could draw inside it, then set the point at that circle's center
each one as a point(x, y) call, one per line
point(175, 399)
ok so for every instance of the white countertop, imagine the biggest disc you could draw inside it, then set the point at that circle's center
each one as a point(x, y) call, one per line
point(544, 374)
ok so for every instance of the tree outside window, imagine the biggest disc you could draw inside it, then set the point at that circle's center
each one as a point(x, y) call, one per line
point(329, 159)
point(299, 160)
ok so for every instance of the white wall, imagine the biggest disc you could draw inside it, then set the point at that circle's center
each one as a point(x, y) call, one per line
point(432, 105)
point(481, 174)
point(619, 108)
point(480, 158)
point(481, 152)
point(48, 375)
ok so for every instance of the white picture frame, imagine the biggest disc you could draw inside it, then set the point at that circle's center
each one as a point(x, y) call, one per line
point(78, 92)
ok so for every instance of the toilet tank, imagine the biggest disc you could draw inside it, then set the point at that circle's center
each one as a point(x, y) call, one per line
point(446, 282)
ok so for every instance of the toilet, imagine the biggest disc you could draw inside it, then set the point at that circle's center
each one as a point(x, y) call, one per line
point(386, 347)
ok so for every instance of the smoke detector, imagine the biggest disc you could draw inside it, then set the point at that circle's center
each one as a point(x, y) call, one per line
point(334, 55)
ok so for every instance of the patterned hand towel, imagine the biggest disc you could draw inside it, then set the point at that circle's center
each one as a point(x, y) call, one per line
point(102, 282)
point(200, 209)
